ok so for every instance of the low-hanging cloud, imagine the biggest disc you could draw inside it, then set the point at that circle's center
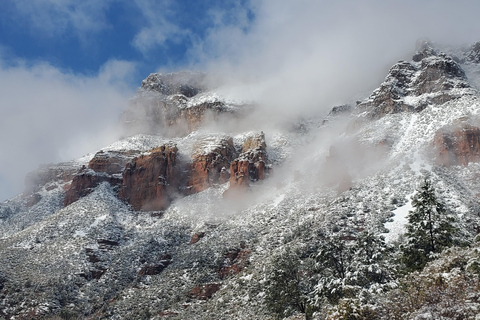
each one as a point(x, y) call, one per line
point(310, 55)
point(51, 115)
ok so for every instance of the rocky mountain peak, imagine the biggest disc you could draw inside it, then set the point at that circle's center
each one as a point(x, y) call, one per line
point(473, 54)
point(430, 78)
point(175, 104)
point(187, 83)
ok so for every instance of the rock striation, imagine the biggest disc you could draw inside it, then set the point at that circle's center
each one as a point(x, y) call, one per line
point(210, 162)
point(151, 181)
point(250, 165)
point(457, 144)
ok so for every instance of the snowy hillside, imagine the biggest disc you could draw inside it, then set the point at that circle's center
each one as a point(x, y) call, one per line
point(205, 224)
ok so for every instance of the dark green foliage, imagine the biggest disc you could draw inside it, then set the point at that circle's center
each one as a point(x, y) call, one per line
point(285, 289)
point(347, 267)
point(429, 230)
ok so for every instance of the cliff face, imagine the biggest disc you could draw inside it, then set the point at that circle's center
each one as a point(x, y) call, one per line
point(176, 104)
point(210, 163)
point(430, 78)
point(457, 144)
point(150, 181)
point(249, 166)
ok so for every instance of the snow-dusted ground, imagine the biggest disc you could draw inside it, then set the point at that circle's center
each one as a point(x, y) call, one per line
point(396, 227)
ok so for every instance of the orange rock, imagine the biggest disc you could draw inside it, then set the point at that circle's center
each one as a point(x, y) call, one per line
point(150, 181)
point(457, 144)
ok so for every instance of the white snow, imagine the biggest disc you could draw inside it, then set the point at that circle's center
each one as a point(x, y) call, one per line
point(397, 226)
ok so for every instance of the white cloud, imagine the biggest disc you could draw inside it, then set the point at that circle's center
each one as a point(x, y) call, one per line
point(57, 17)
point(159, 26)
point(50, 115)
point(307, 55)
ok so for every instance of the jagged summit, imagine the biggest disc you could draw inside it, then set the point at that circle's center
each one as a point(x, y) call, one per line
point(431, 78)
point(187, 83)
point(175, 104)
point(473, 54)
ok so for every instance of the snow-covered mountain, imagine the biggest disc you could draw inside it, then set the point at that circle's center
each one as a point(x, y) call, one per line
point(187, 216)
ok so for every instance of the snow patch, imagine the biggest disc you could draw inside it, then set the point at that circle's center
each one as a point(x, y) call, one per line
point(397, 226)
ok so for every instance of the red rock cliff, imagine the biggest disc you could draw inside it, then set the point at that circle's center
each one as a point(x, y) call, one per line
point(457, 144)
point(210, 164)
point(150, 181)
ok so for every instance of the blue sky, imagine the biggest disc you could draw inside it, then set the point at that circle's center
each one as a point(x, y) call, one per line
point(81, 36)
point(68, 67)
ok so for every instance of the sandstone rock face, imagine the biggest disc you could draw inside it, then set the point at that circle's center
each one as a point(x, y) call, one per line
point(210, 161)
point(109, 162)
point(175, 104)
point(431, 78)
point(250, 165)
point(104, 167)
point(84, 182)
point(151, 181)
point(458, 144)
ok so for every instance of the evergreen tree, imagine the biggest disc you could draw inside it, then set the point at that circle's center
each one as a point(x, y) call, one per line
point(347, 267)
point(429, 229)
point(285, 292)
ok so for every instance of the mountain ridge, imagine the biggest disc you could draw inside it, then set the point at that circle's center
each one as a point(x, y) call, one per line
point(107, 256)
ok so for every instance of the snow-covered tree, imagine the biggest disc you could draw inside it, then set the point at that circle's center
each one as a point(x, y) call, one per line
point(430, 228)
point(352, 268)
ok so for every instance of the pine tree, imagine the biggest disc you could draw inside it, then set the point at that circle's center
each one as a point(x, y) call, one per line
point(285, 294)
point(429, 229)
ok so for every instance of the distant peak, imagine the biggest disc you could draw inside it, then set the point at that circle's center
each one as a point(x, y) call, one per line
point(424, 49)
point(188, 83)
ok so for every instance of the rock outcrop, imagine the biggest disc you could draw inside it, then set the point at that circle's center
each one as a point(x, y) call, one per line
point(186, 83)
point(85, 181)
point(176, 104)
point(458, 144)
point(104, 167)
point(210, 162)
point(152, 269)
point(151, 181)
point(61, 172)
point(431, 78)
point(235, 260)
point(473, 55)
point(110, 162)
point(250, 165)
